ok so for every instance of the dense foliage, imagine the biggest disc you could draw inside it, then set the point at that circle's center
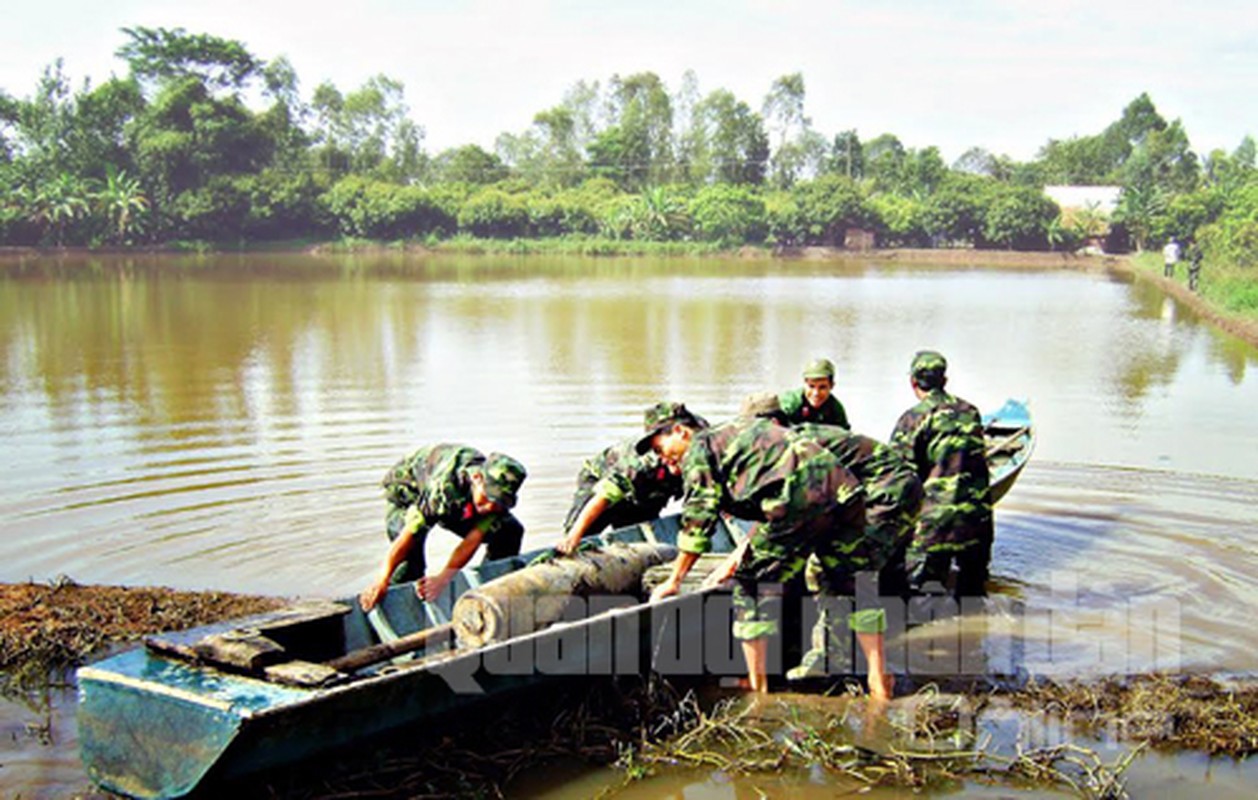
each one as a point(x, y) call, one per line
point(205, 141)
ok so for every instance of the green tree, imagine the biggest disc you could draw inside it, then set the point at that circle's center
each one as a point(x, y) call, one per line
point(737, 145)
point(828, 206)
point(729, 215)
point(1163, 159)
point(783, 114)
point(956, 211)
point(900, 220)
point(848, 155)
point(635, 149)
point(1019, 218)
point(884, 162)
point(165, 55)
point(367, 131)
point(469, 164)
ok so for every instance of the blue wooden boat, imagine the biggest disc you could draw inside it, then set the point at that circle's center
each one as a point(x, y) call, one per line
point(178, 714)
point(1010, 441)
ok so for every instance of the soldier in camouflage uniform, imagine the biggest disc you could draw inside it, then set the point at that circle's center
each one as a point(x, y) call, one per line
point(893, 492)
point(943, 436)
point(802, 502)
point(462, 490)
point(814, 401)
point(619, 487)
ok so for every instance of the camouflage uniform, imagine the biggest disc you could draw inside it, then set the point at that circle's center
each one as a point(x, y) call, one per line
point(801, 499)
point(893, 496)
point(433, 486)
point(798, 411)
point(636, 487)
point(943, 436)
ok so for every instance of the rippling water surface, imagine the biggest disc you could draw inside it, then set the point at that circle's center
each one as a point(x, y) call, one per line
point(209, 422)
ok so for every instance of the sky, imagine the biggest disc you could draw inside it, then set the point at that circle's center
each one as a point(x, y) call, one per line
point(1004, 75)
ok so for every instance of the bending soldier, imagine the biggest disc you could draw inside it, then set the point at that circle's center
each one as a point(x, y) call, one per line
point(454, 486)
point(801, 501)
point(619, 487)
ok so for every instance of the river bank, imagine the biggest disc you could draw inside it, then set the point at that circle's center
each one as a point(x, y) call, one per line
point(1243, 327)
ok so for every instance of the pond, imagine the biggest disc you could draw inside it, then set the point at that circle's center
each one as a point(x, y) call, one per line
point(222, 422)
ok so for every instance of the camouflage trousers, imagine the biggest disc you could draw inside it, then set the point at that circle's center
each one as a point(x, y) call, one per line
point(503, 539)
point(934, 550)
point(890, 519)
point(771, 575)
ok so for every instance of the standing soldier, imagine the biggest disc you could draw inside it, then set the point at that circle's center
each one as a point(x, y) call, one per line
point(802, 502)
point(620, 487)
point(1194, 265)
point(943, 436)
point(815, 401)
point(454, 486)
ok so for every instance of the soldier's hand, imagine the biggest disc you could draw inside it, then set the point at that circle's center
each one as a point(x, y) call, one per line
point(721, 574)
point(665, 589)
point(368, 598)
point(430, 587)
point(569, 545)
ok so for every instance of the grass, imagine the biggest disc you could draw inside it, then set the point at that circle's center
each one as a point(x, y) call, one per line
point(1228, 289)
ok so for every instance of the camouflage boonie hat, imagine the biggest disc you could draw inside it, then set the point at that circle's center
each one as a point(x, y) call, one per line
point(819, 368)
point(761, 404)
point(503, 476)
point(661, 416)
point(928, 369)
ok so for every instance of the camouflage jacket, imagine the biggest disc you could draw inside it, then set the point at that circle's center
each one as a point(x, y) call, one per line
point(757, 470)
point(622, 477)
point(886, 476)
point(943, 437)
point(434, 479)
point(795, 407)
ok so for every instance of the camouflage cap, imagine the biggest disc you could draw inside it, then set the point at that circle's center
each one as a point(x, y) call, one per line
point(819, 368)
point(761, 404)
point(661, 416)
point(503, 476)
point(928, 369)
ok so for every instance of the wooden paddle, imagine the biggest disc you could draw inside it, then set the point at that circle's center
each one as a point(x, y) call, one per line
point(1008, 440)
point(384, 651)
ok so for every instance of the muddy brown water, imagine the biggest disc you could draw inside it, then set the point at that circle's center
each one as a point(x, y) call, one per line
point(222, 423)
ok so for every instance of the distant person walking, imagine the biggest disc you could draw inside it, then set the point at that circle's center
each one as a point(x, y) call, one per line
point(1170, 257)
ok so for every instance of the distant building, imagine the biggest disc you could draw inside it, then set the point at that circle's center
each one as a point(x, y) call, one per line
point(1089, 209)
point(1100, 198)
point(859, 239)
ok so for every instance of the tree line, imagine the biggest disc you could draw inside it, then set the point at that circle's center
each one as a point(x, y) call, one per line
point(202, 140)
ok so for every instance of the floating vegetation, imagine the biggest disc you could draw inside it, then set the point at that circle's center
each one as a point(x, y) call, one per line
point(1166, 711)
point(57, 625)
